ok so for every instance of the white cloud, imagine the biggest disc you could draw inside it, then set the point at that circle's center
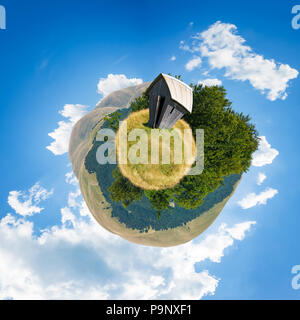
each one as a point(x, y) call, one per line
point(81, 260)
point(193, 63)
point(183, 46)
point(210, 82)
point(71, 179)
point(238, 231)
point(115, 82)
point(61, 135)
point(261, 178)
point(74, 196)
point(265, 154)
point(252, 199)
point(224, 48)
point(67, 216)
point(74, 112)
point(26, 203)
point(173, 58)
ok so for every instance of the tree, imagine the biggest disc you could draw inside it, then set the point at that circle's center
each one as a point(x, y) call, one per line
point(113, 119)
point(229, 141)
point(122, 190)
point(140, 103)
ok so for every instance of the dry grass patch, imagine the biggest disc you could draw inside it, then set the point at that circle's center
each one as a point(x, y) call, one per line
point(160, 168)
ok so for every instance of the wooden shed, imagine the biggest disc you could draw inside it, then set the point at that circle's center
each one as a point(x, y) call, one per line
point(169, 100)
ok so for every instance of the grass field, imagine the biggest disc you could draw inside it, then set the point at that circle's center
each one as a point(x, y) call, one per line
point(163, 162)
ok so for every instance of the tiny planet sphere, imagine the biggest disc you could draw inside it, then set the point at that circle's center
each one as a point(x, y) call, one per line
point(138, 222)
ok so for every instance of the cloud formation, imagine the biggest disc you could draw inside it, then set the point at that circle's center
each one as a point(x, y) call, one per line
point(74, 112)
point(225, 49)
point(26, 203)
point(115, 82)
point(261, 178)
point(136, 272)
point(71, 179)
point(61, 135)
point(107, 267)
point(265, 154)
point(193, 63)
point(210, 82)
point(253, 199)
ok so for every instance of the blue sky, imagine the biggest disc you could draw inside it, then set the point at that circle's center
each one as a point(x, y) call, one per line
point(58, 53)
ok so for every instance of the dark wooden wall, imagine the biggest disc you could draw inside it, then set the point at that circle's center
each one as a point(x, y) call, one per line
point(173, 112)
point(170, 113)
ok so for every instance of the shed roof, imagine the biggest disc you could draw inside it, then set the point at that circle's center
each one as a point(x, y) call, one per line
point(179, 91)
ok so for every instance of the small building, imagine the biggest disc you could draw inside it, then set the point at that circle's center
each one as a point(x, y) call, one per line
point(169, 100)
